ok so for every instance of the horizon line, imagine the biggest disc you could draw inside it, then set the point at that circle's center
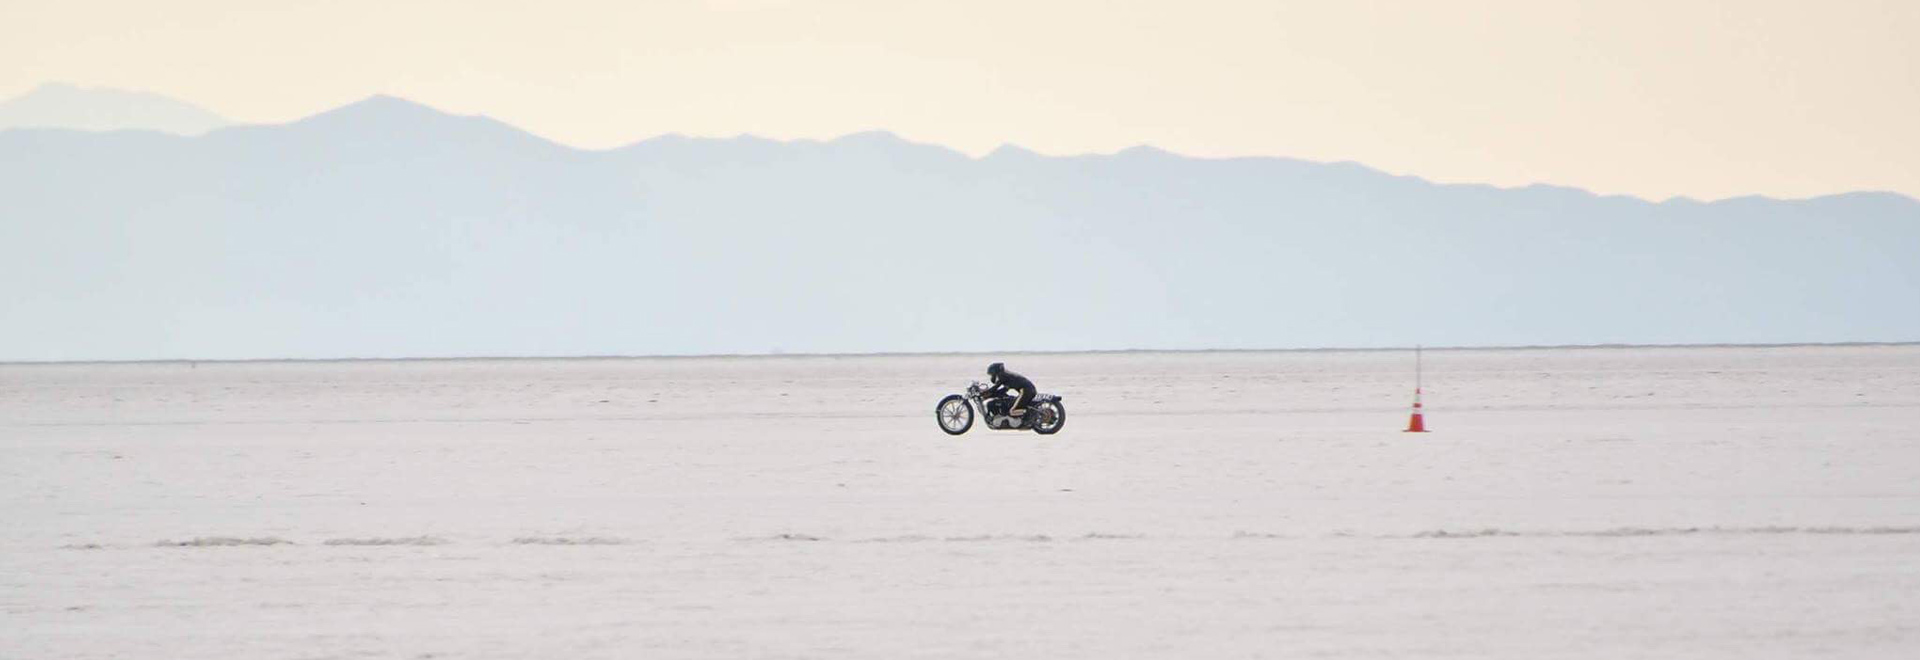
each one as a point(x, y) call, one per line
point(907, 354)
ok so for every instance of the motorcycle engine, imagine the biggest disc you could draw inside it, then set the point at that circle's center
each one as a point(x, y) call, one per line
point(996, 407)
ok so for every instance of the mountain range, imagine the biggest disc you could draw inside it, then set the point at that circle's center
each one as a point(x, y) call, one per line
point(390, 229)
point(60, 105)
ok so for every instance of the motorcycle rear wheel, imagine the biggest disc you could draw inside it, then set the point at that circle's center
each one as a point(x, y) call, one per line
point(1050, 417)
point(953, 414)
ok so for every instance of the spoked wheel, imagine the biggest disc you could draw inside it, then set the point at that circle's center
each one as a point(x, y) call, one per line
point(1050, 416)
point(954, 415)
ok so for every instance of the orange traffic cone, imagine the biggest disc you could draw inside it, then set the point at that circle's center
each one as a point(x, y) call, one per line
point(1418, 424)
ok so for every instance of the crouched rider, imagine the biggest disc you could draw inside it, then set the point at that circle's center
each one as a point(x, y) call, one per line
point(1003, 381)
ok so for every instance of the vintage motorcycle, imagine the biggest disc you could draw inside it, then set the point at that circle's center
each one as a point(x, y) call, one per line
point(955, 413)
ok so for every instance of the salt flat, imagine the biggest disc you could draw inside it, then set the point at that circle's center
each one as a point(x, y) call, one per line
point(1593, 503)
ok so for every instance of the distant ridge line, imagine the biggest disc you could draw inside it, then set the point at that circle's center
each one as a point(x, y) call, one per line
point(389, 102)
point(884, 354)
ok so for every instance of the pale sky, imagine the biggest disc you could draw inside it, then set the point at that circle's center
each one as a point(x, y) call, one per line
point(1704, 99)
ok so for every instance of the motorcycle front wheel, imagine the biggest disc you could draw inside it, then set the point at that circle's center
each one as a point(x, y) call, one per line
point(1051, 416)
point(953, 414)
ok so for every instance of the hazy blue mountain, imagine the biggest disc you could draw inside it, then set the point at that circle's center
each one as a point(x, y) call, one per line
point(386, 228)
point(59, 105)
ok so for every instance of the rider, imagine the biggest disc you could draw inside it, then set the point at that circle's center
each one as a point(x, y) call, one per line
point(1004, 380)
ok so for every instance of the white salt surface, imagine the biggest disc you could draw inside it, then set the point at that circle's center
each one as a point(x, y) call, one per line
point(1603, 503)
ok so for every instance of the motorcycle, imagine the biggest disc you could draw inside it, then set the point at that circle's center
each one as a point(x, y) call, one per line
point(955, 413)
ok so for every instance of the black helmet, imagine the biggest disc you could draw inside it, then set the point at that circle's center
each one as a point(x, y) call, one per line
point(996, 369)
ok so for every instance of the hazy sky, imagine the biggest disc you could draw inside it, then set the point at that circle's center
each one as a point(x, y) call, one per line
point(1707, 99)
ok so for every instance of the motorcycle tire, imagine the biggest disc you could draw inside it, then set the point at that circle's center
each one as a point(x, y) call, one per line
point(1059, 418)
point(955, 420)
